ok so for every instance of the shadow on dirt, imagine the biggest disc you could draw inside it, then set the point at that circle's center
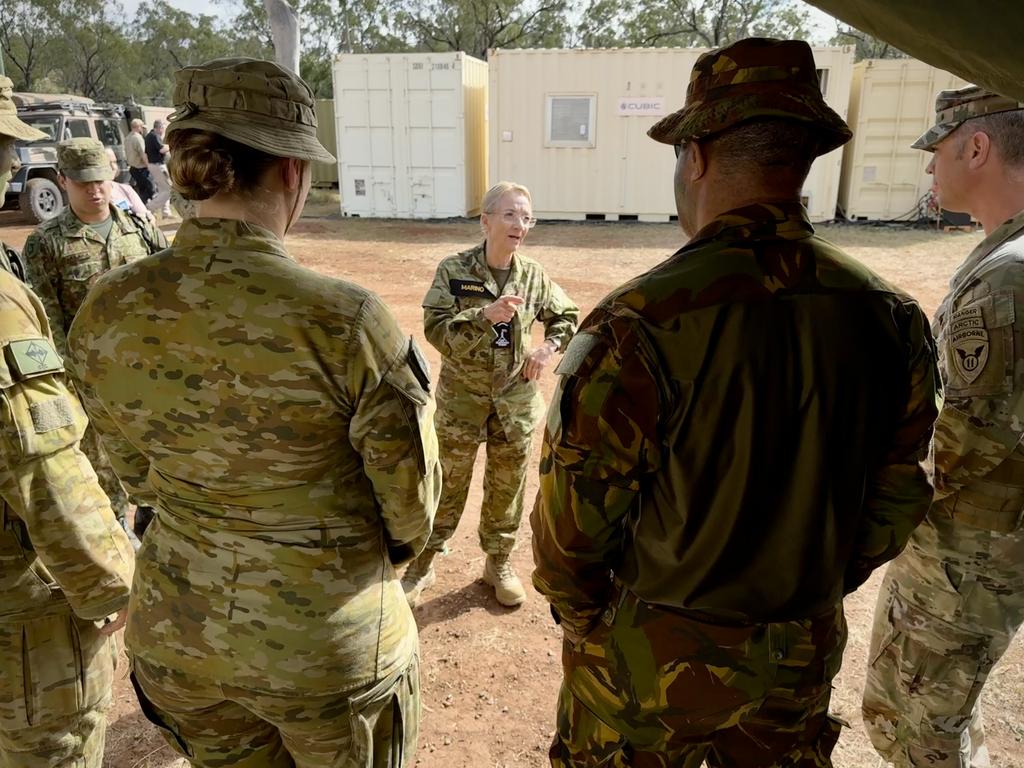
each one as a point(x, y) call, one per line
point(473, 596)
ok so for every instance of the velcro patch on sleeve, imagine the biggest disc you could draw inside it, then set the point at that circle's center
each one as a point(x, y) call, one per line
point(28, 358)
point(51, 414)
point(579, 347)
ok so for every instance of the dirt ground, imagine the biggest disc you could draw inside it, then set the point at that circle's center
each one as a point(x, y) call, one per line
point(490, 675)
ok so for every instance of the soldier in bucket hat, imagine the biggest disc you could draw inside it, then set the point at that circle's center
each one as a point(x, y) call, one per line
point(735, 443)
point(65, 566)
point(12, 129)
point(280, 421)
point(952, 602)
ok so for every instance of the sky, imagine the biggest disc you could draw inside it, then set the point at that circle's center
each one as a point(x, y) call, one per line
point(823, 25)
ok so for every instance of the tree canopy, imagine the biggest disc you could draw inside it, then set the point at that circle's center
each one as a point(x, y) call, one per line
point(92, 48)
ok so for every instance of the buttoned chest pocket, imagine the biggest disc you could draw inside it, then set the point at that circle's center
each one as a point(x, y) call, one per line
point(978, 346)
point(81, 271)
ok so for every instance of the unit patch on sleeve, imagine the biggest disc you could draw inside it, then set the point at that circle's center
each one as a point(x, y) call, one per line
point(969, 343)
point(32, 357)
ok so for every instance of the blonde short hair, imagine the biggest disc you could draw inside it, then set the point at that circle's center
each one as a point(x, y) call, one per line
point(495, 193)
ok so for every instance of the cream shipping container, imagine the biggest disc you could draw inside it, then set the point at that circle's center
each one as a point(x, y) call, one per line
point(411, 134)
point(892, 102)
point(572, 126)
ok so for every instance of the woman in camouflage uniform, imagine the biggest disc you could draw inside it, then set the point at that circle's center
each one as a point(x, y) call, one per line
point(279, 421)
point(479, 313)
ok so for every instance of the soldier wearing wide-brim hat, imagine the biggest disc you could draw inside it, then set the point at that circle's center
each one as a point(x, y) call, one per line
point(12, 129)
point(281, 422)
point(72, 568)
point(955, 597)
point(736, 442)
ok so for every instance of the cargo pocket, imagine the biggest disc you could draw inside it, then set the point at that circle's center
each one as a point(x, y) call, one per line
point(384, 720)
point(933, 660)
point(152, 713)
point(989, 506)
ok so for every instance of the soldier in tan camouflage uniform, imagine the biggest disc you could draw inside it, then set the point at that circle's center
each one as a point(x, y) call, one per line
point(65, 565)
point(66, 254)
point(950, 604)
point(737, 440)
point(11, 129)
point(479, 314)
point(280, 421)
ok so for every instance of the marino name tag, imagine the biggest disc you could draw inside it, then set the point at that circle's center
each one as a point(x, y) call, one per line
point(469, 288)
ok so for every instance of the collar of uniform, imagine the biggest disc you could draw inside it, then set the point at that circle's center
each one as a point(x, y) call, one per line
point(228, 233)
point(1005, 232)
point(71, 226)
point(784, 220)
point(482, 270)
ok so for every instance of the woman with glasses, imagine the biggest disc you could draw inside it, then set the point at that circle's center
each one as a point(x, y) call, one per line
point(479, 313)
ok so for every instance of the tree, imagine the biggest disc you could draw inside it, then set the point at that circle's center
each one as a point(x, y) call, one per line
point(27, 39)
point(867, 46)
point(476, 26)
point(688, 23)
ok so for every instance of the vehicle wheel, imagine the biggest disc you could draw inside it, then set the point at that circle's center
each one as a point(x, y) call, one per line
point(41, 199)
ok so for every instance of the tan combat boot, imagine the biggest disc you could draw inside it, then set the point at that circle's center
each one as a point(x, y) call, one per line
point(419, 576)
point(507, 587)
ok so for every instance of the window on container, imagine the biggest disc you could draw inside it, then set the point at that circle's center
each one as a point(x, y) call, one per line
point(571, 121)
point(823, 80)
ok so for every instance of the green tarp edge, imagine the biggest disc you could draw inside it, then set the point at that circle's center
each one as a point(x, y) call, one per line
point(982, 41)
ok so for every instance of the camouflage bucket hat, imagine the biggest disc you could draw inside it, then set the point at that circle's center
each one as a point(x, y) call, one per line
point(257, 103)
point(954, 108)
point(10, 124)
point(84, 159)
point(753, 78)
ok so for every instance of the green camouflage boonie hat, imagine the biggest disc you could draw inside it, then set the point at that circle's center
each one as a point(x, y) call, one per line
point(257, 103)
point(10, 124)
point(753, 78)
point(84, 159)
point(953, 108)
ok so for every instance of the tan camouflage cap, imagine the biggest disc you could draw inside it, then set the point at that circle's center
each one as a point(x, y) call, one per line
point(257, 103)
point(953, 108)
point(10, 124)
point(84, 159)
point(752, 78)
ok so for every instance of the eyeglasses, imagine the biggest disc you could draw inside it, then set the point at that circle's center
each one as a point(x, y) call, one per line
point(512, 218)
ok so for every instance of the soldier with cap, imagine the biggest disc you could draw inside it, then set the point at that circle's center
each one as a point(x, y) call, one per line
point(66, 254)
point(479, 313)
point(65, 564)
point(737, 440)
point(951, 603)
point(280, 421)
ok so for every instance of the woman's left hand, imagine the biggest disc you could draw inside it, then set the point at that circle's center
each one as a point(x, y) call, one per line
point(538, 361)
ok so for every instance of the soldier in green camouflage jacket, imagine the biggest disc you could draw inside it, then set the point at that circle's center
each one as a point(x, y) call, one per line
point(280, 421)
point(65, 565)
point(66, 254)
point(951, 603)
point(736, 441)
point(479, 314)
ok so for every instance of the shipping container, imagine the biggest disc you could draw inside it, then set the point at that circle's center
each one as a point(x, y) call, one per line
point(892, 102)
point(326, 174)
point(572, 126)
point(411, 134)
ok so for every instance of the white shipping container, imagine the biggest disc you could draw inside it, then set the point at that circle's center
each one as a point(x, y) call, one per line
point(572, 126)
point(892, 102)
point(411, 134)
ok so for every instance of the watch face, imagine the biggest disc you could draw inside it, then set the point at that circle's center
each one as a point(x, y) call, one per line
point(502, 335)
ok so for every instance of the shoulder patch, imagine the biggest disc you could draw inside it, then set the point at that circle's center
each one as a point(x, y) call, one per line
point(28, 358)
point(419, 365)
point(579, 347)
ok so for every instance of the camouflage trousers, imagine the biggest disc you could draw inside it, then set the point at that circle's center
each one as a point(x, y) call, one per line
point(947, 610)
point(55, 678)
point(652, 688)
point(504, 481)
point(94, 451)
point(216, 725)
